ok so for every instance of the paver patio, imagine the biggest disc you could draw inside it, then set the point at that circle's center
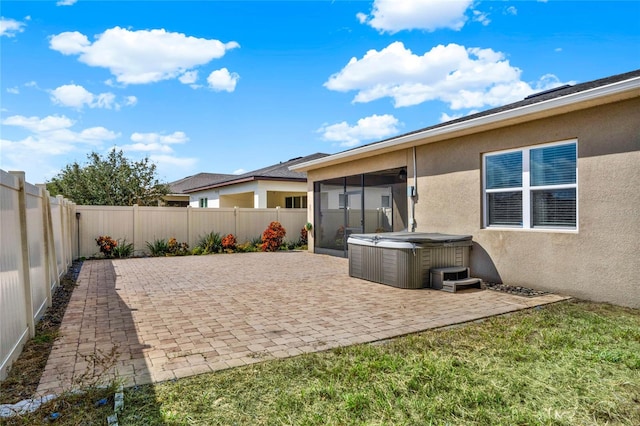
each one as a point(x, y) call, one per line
point(179, 316)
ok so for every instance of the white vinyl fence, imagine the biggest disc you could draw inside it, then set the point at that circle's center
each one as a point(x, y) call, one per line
point(41, 235)
point(35, 252)
point(139, 225)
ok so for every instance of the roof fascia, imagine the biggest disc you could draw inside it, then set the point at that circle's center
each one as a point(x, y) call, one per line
point(243, 180)
point(614, 92)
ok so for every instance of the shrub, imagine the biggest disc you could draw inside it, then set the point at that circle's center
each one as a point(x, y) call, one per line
point(247, 247)
point(304, 235)
point(158, 248)
point(210, 243)
point(272, 237)
point(229, 243)
point(197, 251)
point(106, 244)
point(122, 249)
point(177, 249)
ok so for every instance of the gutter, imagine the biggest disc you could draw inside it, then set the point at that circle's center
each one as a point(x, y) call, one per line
point(610, 93)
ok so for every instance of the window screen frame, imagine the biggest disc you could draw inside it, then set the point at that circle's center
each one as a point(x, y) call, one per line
point(527, 189)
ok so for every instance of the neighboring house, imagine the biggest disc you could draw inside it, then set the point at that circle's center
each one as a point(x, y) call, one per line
point(177, 196)
point(548, 187)
point(269, 187)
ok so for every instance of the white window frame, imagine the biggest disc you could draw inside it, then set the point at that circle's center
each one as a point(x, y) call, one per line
point(526, 189)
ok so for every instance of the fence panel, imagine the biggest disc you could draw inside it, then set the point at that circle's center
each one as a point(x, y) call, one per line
point(95, 221)
point(292, 220)
point(13, 325)
point(37, 262)
point(251, 223)
point(160, 223)
point(203, 221)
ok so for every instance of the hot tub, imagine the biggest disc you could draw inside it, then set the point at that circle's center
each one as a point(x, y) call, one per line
point(403, 259)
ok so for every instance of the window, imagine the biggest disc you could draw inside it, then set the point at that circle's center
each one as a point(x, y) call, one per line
point(534, 187)
point(385, 201)
point(204, 202)
point(343, 201)
point(296, 202)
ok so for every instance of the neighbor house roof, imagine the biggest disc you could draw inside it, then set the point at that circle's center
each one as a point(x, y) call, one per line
point(184, 184)
point(544, 104)
point(280, 171)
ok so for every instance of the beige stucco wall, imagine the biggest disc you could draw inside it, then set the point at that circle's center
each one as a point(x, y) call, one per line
point(599, 261)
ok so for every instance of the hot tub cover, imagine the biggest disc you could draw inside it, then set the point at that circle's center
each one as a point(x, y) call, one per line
point(410, 239)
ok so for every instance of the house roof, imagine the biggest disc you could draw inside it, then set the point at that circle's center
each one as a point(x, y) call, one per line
point(280, 171)
point(184, 184)
point(539, 105)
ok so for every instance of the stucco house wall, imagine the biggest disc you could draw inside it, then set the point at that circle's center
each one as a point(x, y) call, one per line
point(597, 261)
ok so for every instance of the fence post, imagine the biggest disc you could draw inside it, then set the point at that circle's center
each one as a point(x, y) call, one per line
point(189, 226)
point(235, 220)
point(136, 229)
point(24, 252)
point(278, 213)
point(44, 195)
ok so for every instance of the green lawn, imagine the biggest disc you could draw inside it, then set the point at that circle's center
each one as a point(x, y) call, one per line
point(571, 363)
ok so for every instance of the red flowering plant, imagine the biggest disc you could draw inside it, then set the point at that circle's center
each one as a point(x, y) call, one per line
point(106, 244)
point(272, 237)
point(176, 248)
point(229, 243)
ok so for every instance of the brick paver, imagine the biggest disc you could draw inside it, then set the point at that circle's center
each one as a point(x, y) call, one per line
point(180, 316)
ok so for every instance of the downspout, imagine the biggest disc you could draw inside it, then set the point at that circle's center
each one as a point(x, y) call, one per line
point(413, 192)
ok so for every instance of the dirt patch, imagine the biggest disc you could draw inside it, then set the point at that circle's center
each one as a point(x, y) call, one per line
point(24, 375)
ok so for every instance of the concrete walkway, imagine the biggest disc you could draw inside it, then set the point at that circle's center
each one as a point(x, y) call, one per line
point(179, 316)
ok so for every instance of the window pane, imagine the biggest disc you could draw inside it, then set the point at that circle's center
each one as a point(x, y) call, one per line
point(504, 170)
point(288, 202)
point(505, 208)
point(554, 207)
point(554, 165)
point(296, 202)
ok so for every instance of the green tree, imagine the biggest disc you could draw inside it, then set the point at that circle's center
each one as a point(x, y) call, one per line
point(110, 181)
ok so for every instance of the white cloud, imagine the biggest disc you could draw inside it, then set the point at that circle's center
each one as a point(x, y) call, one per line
point(397, 15)
point(140, 57)
point(239, 172)
point(368, 128)
point(39, 125)
point(223, 80)
point(189, 77)
point(75, 96)
point(66, 2)
point(155, 142)
point(481, 17)
point(511, 10)
point(147, 138)
point(48, 138)
point(459, 76)
point(10, 27)
point(558, 49)
point(13, 90)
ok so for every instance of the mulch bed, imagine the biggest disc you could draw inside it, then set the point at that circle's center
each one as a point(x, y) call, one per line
point(24, 375)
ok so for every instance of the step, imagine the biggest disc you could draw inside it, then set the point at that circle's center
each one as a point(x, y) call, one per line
point(454, 285)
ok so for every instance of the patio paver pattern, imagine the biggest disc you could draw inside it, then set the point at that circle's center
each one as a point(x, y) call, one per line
point(180, 316)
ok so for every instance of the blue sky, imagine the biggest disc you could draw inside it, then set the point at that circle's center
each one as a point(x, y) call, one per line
point(232, 86)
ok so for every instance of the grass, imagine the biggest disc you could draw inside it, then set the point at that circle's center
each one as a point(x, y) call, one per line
point(565, 364)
